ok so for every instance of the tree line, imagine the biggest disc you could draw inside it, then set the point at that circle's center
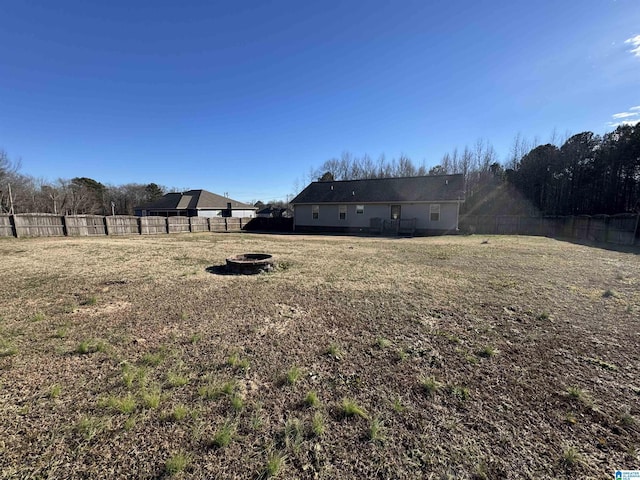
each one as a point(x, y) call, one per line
point(587, 174)
point(581, 174)
point(20, 193)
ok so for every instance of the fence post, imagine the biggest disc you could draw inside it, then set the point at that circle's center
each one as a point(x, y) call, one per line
point(107, 227)
point(226, 225)
point(65, 230)
point(208, 224)
point(14, 227)
point(635, 230)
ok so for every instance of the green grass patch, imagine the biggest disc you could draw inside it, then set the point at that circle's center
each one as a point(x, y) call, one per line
point(542, 316)
point(153, 359)
point(461, 393)
point(293, 375)
point(317, 424)
point(223, 436)
point(334, 351)
point(179, 413)
point(237, 402)
point(7, 349)
point(239, 363)
point(383, 343)
point(376, 430)
point(576, 393)
point(126, 404)
point(87, 347)
point(602, 364)
point(176, 379)
point(571, 458)
point(275, 464)
point(210, 391)
point(429, 385)
point(54, 391)
point(61, 332)
point(132, 375)
point(293, 433)
point(151, 398)
point(312, 400)
point(90, 301)
point(177, 463)
point(90, 427)
point(349, 408)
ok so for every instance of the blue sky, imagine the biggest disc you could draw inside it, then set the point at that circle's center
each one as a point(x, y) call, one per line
point(246, 97)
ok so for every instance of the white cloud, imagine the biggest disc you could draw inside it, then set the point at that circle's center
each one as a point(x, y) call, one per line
point(630, 117)
point(625, 122)
point(625, 115)
point(635, 44)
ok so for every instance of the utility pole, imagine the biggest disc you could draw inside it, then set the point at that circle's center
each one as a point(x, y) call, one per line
point(10, 200)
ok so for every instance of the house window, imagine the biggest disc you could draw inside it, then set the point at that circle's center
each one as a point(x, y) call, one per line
point(359, 209)
point(342, 212)
point(315, 211)
point(395, 212)
point(434, 213)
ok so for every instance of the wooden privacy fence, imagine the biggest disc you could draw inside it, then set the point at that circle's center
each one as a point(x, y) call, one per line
point(622, 229)
point(49, 225)
point(84, 225)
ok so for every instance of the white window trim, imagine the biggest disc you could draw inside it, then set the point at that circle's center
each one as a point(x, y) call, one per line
point(342, 209)
point(359, 209)
point(434, 209)
point(315, 212)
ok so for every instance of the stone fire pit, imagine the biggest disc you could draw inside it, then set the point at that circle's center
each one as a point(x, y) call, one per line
point(250, 263)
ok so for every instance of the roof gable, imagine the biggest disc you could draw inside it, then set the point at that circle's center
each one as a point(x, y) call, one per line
point(428, 188)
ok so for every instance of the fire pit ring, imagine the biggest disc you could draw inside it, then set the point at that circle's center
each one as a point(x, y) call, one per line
point(250, 263)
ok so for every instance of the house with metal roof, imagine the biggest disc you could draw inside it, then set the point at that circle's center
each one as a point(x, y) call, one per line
point(196, 203)
point(425, 205)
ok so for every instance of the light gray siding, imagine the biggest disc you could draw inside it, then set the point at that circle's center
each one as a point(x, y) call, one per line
point(234, 213)
point(329, 216)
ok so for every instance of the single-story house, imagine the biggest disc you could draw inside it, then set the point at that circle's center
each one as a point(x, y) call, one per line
point(426, 205)
point(196, 203)
point(273, 212)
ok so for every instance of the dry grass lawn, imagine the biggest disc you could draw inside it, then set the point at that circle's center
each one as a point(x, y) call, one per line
point(357, 358)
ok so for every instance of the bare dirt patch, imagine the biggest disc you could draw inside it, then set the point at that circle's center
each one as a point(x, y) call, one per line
point(514, 358)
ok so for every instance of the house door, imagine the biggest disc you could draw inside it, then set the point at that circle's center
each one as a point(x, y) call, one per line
point(395, 212)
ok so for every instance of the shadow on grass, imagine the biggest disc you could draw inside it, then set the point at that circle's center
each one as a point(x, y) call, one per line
point(218, 270)
point(614, 247)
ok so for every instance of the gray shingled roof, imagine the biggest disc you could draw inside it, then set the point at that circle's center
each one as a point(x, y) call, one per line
point(195, 199)
point(431, 188)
